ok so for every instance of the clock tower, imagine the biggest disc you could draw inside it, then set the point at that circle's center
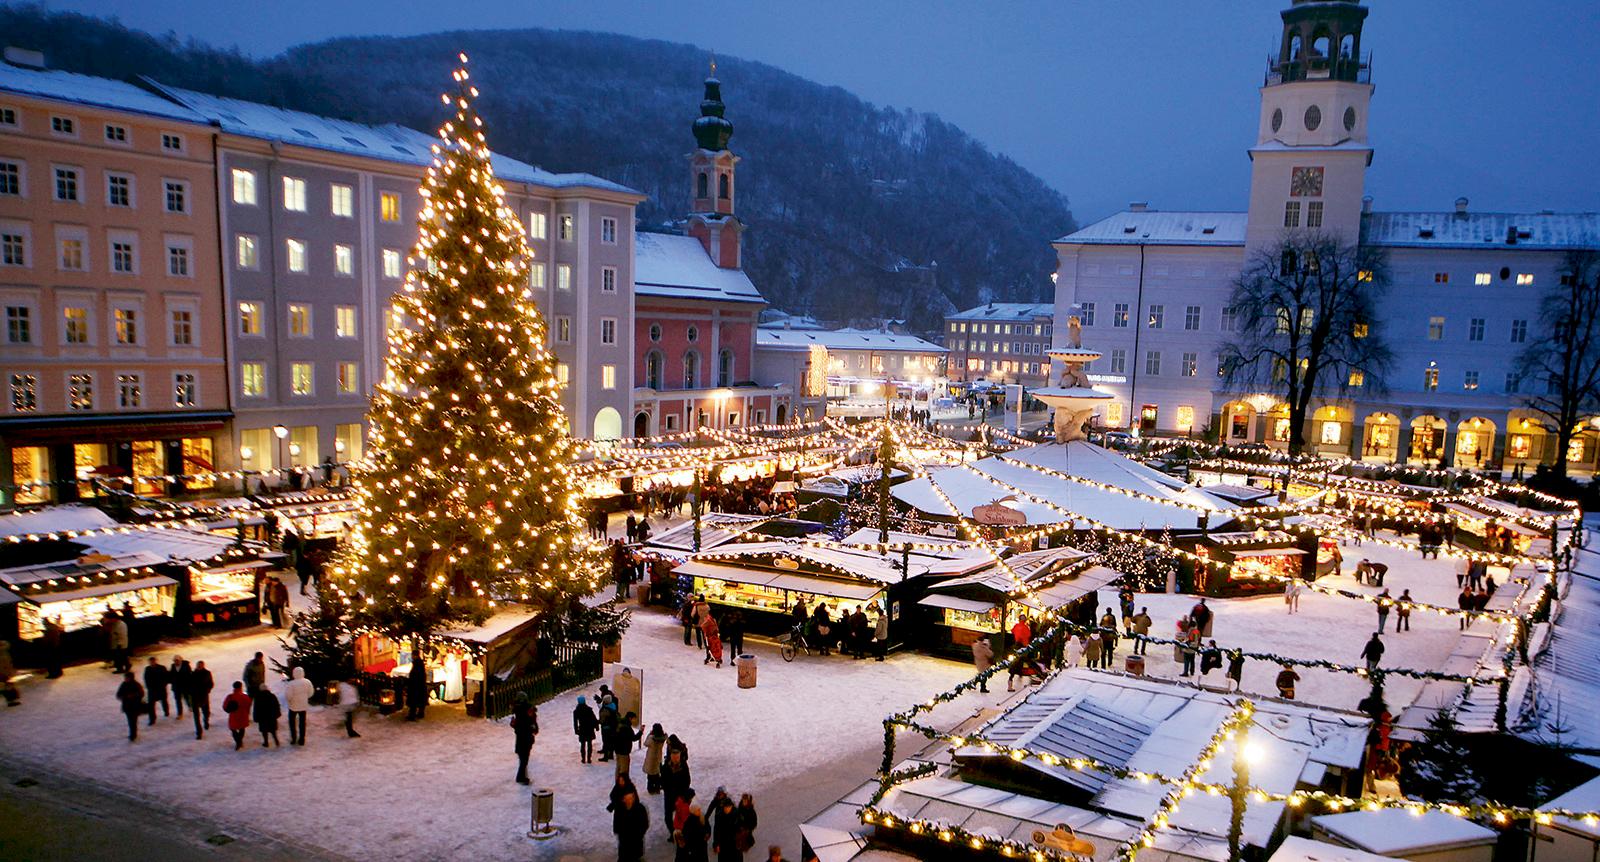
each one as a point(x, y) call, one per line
point(1308, 165)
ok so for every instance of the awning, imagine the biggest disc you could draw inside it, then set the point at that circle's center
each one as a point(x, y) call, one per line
point(825, 587)
point(7, 597)
point(729, 574)
point(1267, 552)
point(956, 603)
point(102, 590)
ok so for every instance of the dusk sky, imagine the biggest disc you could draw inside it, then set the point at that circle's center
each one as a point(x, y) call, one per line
point(1108, 102)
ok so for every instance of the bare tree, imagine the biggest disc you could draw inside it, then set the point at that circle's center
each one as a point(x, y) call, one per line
point(1305, 324)
point(1564, 360)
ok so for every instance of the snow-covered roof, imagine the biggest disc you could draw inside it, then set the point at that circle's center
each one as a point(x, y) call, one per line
point(1484, 230)
point(803, 339)
point(390, 142)
point(1153, 227)
point(1078, 458)
point(676, 266)
point(1397, 832)
point(1297, 849)
point(1005, 311)
point(41, 572)
point(716, 528)
point(1584, 797)
point(498, 625)
point(1567, 671)
point(53, 519)
point(174, 545)
point(847, 562)
point(91, 91)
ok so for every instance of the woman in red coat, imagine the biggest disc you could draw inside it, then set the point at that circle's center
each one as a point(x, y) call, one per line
point(713, 640)
point(237, 706)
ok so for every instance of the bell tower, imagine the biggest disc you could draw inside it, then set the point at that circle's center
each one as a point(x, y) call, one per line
point(711, 168)
point(1308, 165)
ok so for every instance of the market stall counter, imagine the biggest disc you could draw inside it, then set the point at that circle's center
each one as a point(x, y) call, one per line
point(78, 593)
point(227, 596)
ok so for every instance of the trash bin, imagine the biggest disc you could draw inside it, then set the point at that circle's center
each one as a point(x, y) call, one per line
point(1134, 664)
point(747, 670)
point(544, 810)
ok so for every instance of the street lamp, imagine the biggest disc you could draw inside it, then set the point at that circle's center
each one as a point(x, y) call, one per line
point(281, 432)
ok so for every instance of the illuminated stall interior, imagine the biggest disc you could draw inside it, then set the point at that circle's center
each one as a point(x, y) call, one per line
point(961, 610)
point(1257, 561)
point(481, 666)
point(77, 593)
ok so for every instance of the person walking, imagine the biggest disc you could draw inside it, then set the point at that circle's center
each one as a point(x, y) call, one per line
point(1108, 640)
point(297, 696)
point(349, 702)
point(675, 782)
point(733, 634)
point(255, 675)
point(630, 822)
point(1291, 594)
point(8, 669)
point(1383, 610)
point(1464, 603)
point(982, 659)
point(713, 635)
point(653, 743)
point(1372, 652)
point(686, 619)
point(880, 636)
point(266, 710)
point(691, 838)
point(1235, 672)
point(1091, 651)
point(622, 740)
point(269, 598)
point(155, 688)
point(1125, 600)
point(237, 706)
point(1203, 618)
point(1285, 682)
point(118, 639)
point(725, 831)
point(199, 687)
point(1141, 631)
point(745, 840)
point(1402, 612)
point(131, 695)
point(524, 727)
point(178, 678)
point(1189, 645)
point(584, 725)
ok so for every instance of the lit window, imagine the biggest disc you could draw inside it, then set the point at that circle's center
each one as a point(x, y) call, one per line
point(130, 394)
point(344, 321)
point(24, 393)
point(1114, 414)
point(344, 260)
point(176, 196)
point(70, 255)
point(295, 251)
point(341, 200)
point(126, 325)
point(347, 377)
point(1435, 328)
point(299, 320)
point(300, 378)
point(1356, 379)
point(1430, 379)
point(1441, 278)
point(1524, 278)
point(538, 225)
point(182, 331)
point(563, 276)
point(80, 391)
point(252, 379)
point(1482, 278)
point(608, 280)
point(183, 389)
point(119, 190)
point(244, 187)
point(564, 228)
point(250, 318)
point(389, 206)
point(294, 194)
point(608, 377)
point(608, 330)
point(19, 324)
point(1364, 275)
point(391, 263)
point(1470, 380)
point(66, 184)
point(536, 276)
point(608, 230)
point(563, 373)
point(1157, 317)
point(1359, 330)
point(1119, 316)
point(76, 321)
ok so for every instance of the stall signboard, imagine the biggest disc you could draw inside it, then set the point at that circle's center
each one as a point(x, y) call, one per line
point(628, 685)
point(997, 514)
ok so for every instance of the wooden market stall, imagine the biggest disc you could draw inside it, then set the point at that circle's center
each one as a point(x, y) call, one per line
point(78, 593)
point(1258, 561)
point(957, 612)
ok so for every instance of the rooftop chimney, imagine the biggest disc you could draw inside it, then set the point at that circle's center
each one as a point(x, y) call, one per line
point(1366, 204)
point(27, 58)
point(1461, 206)
point(1139, 206)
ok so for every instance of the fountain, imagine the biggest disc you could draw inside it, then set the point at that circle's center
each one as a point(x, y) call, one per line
point(1072, 397)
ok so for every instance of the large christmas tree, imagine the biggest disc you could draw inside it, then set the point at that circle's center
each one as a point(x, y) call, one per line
point(467, 498)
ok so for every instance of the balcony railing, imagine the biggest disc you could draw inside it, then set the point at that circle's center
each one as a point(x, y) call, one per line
point(1315, 67)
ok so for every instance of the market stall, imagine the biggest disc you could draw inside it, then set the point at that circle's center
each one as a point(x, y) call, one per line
point(957, 612)
point(480, 665)
point(1258, 562)
point(226, 596)
point(78, 593)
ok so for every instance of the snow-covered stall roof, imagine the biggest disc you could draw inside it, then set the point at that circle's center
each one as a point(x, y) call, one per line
point(497, 626)
point(951, 557)
point(1083, 460)
point(862, 563)
point(677, 267)
point(800, 339)
point(716, 528)
point(174, 545)
point(1584, 797)
point(1397, 832)
point(53, 519)
point(1567, 671)
point(1297, 849)
point(23, 576)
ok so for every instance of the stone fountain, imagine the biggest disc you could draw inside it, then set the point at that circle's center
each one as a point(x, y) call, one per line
point(1072, 397)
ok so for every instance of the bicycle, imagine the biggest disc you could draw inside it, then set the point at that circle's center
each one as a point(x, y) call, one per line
point(793, 644)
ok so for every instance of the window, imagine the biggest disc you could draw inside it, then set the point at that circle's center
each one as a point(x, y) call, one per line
point(563, 329)
point(1157, 317)
point(13, 248)
point(1291, 214)
point(176, 196)
point(608, 230)
point(19, 324)
point(1359, 330)
point(608, 377)
point(608, 279)
point(652, 369)
point(564, 227)
point(1441, 278)
point(184, 389)
point(1475, 329)
point(1114, 414)
point(181, 333)
point(1524, 278)
point(1356, 380)
point(391, 263)
point(119, 190)
point(1482, 278)
point(125, 322)
point(8, 116)
point(294, 194)
point(724, 187)
point(66, 184)
point(295, 251)
point(299, 320)
point(344, 321)
point(70, 254)
point(129, 391)
point(344, 260)
point(1435, 328)
point(1430, 380)
point(76, 322)
point(1519, 331)
point(691, 370)
point(563, 373)
point(1513, 382)
point(389, 206)
point(536, 276)
point(348, 380)
point(538, 226)
point(1119, 315)
point(1119, 360)
point(10, 179)
point(171, 142)
point(177, 259)
point(725, 367)
point(608, 330)
point(252, 379)
point(300, 382)
point(244, 187)
point(341, 201)
point(703, 186)
point(122, 256)
point(24, 393)
point(1191, 318)
point(63, 126)
point(692, 333)
point(1191, 361)
point(250, 318)
point(1152, 363)
point(563, 276)
point(1470, 380)
point(80, 391)
point(1314, 214)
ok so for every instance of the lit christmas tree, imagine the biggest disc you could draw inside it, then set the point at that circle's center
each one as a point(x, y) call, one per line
point(466, 498)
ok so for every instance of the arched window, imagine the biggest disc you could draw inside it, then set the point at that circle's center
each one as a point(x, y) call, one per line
point(691, 370)
point(641, 425)
point(723, 190)
point(652, 369)
point(1347, 46)
point(607, 424)
point(783, 414)
point(725, 368)
point(1320, 43)
point(703, 188)
point(1294, 54)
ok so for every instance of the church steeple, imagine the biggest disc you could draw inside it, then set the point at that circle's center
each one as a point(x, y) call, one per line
point(712, 130)
point(711, 168)
point(1321, 42)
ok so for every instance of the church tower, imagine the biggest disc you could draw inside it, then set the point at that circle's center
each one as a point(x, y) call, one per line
point(1308, 166)
point(711, 166)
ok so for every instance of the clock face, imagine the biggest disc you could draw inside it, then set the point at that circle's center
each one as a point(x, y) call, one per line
point(1313, 118)
point(1306, 183)
point(1277, 119)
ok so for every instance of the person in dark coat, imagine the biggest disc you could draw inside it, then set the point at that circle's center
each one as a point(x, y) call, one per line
point(630, 822)
point(584, 724)
point(525, 726)
point(1373, 652)
point(692, 838)
point(265, 709)
point(255, 675)
point(675, 780)
point(725, 831)
point(155, 688)
point(52, 648)
point(747, 823)
point(178, 677)
point(131, 695)
point(199, 688)
point(608, 720)
point(733, 633)
point(417, 689)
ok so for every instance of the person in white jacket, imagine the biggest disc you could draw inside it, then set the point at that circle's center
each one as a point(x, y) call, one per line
point(297, 697)
point(349, 700)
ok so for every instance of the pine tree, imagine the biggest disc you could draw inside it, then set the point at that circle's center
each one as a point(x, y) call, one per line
point(467, 497)
point(1438, 766)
